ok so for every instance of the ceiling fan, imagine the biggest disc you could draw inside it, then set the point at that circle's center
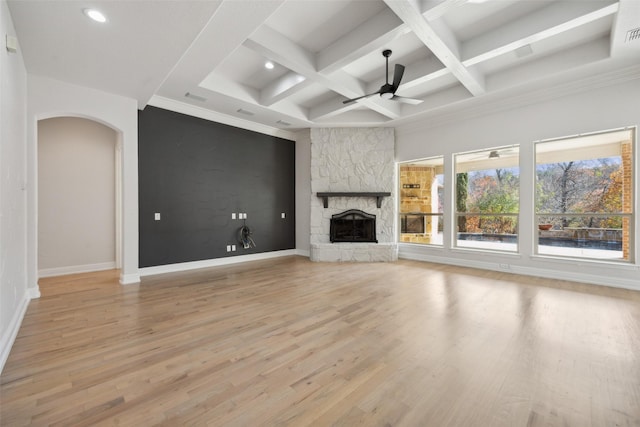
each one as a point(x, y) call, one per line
point(388, 91)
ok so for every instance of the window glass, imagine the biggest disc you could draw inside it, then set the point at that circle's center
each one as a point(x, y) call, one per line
point(584, 196)
point(421, 198)
point(487, 198)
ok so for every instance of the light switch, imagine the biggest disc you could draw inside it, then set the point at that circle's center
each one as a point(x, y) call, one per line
point(156, 216)
point(11, 43)
point(233, 248)
point(228, 248)
point(283, 215)
point(233, 215)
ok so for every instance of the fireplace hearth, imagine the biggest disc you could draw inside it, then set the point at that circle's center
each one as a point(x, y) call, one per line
point(354, 226)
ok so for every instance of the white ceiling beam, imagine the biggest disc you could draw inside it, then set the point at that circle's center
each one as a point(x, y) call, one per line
point(279, 48)
point(282, 50)
point(206, 52)
point(417, 73)
point(443, 46)
point(423, 71)
point(216, 83)
point(389, 109)
point(434, 9)
point(369, 36)
point(542, 24)
point(437, 100)
point(248, 98)
point(331, 108)
point(289, 110)
point(283, 87)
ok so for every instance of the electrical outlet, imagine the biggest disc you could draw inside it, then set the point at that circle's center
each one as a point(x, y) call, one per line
point(505, 266)
point(233, 248)
point(228, 248)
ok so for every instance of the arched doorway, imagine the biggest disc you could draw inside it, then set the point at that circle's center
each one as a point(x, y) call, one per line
point(78, 196)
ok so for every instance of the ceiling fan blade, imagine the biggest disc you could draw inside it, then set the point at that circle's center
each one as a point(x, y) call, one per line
point(398, 72)
point(349, 101)
point(407, 100)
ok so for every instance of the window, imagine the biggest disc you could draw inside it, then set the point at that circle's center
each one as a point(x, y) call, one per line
point(584, 196)
point(421, 191)
point(486, 199)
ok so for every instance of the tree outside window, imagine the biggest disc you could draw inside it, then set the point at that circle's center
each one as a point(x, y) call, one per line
point(583, 196)
point(487, 199)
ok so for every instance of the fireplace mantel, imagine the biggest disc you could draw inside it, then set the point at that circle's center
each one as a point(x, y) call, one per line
point(377, 195)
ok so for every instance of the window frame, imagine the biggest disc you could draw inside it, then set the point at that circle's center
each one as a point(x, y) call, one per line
point(456, 215)
point(438, 243)
point(630, 216)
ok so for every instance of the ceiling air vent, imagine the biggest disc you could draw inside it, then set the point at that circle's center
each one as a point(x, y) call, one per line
point(633, 35)
point(196, 97)
point(245, 112)
point(282, 122)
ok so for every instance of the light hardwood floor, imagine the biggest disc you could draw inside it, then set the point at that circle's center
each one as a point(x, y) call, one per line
point(289, 342)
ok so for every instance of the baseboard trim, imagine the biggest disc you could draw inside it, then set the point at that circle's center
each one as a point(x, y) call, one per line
point(129, 279)
point(73, 269)
point(614, 282)
point(303, 253)
point(193, 265)
point(33, 293)
point(9, 337)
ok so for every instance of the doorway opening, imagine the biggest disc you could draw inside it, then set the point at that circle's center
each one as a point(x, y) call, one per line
point(79, 196)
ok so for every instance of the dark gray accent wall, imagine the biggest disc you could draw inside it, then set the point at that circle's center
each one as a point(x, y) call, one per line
point(196, 173)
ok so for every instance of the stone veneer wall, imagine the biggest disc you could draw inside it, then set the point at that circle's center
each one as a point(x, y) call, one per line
point(352, 160)
point(627, 191)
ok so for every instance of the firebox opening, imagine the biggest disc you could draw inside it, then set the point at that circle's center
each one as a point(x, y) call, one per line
point(353, 226)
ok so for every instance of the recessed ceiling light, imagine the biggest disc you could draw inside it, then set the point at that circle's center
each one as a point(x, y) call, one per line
point(96, 15)
point(268, 65)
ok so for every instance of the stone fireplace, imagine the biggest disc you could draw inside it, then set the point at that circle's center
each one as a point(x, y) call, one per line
point(352, 171)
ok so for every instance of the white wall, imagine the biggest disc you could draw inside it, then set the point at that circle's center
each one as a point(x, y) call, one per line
point(596, 110)
point(76, 196)
point(49, 98)
point(303, 191)
point(14, 295)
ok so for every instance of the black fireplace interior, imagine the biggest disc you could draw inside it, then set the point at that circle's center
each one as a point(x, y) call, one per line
point(353, 226)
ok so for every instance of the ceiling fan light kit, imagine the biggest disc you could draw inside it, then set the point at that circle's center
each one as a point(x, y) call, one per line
point(388, 91)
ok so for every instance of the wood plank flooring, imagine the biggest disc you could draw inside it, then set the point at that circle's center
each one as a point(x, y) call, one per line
point(288, 342)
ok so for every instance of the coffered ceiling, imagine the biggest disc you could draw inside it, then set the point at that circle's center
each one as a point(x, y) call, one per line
point(460, 55)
